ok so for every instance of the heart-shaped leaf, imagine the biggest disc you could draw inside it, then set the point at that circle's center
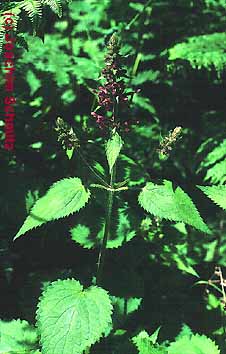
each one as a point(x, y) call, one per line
point(71, 319)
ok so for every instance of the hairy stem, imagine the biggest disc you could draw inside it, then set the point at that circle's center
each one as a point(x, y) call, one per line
point(102, 254)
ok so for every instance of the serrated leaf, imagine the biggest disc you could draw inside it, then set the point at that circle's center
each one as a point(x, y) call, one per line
point(145, 345)
point(185, 332)
point(113, 148)
point(71, 319)
point(195, 344)
point(162, 201)
point(216, 193)
point(62, 199)
point(17, 336)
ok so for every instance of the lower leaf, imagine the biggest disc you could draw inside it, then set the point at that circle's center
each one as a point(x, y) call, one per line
point(71, 319)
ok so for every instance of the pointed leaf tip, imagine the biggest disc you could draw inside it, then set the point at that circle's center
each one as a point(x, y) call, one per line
point(64, 197)
point(113, 148)
point(162, 201)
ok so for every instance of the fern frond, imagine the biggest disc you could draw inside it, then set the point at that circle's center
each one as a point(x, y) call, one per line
point(217, 173)
point(216, 193)
point(215, 155)
point(215, 162)
point(55, 5)
point(32, 7)
point(16, 10)
point(205, 51)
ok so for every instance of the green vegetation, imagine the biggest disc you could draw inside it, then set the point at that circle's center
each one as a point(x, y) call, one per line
point(113, 231)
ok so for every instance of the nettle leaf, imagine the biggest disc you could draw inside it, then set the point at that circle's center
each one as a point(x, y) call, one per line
point(194, 344)
point(162, 201)
point(113, 148)
point(62, 199)
point(71, 319)
point(216, 193)
point(17, 336)
point(145, 345)
point(184, 332)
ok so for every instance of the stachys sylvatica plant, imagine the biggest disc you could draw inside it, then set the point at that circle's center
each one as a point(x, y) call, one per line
point(70, 319)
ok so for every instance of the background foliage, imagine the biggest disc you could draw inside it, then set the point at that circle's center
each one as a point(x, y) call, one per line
point(175, 55)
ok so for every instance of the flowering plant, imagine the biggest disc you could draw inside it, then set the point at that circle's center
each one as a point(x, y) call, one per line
point(71, 319)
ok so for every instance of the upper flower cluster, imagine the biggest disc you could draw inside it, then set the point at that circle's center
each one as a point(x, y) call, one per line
point(112, 94)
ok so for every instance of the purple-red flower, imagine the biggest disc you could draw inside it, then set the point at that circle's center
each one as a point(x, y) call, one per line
point(100, 120)
point(112, 95)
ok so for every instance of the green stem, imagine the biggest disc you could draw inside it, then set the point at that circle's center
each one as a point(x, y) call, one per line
point(138, 15)
point(136, 64)
point(107, 228)
point(119, 189)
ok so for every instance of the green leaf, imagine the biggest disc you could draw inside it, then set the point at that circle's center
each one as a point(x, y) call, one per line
point(154, 336)
point(33, 82)
point(123, 307)
point(55, 6)
point(195, 344)
point(32, 7)
point(145, 104)
point(204, 51)
point(162, 201)
point(69, 153)
point(71, 319)
point(215, 155)
point(185, 332)
point(145, 344)
point(183, 263)
point(62, 199)
point(217, 173)
point(90, 232)
point(17, 336)
point(113, 148)
point(146, 76)
point(216, 193)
